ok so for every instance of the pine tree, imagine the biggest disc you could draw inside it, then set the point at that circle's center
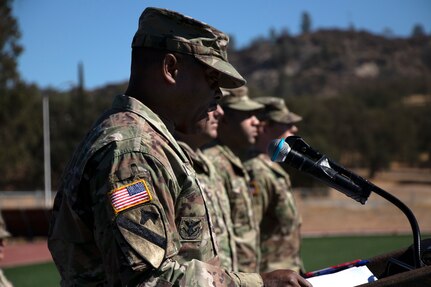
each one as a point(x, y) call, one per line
point(21, 161)
point(418, 31)
point(10, 49)
point(305, 23)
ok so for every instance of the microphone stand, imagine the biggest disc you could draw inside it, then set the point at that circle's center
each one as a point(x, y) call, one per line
point(410, 216)
point(298, 144)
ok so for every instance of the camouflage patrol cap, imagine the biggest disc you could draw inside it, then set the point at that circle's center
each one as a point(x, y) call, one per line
point(172, 31)
point(277, 111)
point(237, 99)
point(3, 231)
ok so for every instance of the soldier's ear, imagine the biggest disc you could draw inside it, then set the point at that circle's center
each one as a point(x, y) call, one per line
point(170, 68)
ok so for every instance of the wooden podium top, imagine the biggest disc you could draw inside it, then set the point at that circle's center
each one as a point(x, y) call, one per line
point(397, 277)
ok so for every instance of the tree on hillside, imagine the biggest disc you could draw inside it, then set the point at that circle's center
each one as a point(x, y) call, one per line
point(305, 23)
point(10, 49)
point(232, 43)
point(418, 31)
point(21, 161)
point(388, 33)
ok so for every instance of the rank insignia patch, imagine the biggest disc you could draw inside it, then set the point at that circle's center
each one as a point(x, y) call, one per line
point(191, 228)
point(130, 195)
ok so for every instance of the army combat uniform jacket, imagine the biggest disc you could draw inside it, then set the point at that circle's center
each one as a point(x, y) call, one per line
point(277, 214)
point(129, 211)
point(218, 205)
point(236, 182)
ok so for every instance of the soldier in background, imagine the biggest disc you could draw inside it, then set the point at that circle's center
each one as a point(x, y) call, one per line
point(237, 130)
point(129, 210)
point(274, 205)
point(212, 185)
point(3, 235)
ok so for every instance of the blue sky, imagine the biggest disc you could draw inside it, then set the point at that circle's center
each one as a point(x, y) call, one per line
point(58, 34)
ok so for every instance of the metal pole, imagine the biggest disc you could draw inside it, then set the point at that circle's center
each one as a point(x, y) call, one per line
point(46, 151)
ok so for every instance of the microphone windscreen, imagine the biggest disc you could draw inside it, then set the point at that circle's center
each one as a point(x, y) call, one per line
point(278, 150)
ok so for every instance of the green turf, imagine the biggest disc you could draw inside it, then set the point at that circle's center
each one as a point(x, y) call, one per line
point(316, 253)
point(321, 252)
point(34, 275)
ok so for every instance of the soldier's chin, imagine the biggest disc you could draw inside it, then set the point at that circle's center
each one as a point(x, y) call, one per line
point(212, 133)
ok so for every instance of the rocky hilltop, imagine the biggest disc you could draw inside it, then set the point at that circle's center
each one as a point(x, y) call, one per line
point(325, 62)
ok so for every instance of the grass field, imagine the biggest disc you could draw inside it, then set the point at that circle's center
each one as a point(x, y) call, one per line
point(316, 253)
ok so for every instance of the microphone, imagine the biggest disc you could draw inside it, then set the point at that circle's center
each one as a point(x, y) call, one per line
point(301, 156)
point(298, 154)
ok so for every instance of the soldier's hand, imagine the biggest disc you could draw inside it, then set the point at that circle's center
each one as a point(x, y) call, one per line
point(283, 278)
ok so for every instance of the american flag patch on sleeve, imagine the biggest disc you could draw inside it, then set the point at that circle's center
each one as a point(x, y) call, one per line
point(130, 195)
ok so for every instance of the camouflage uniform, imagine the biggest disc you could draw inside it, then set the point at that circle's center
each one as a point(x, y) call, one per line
point(276, 211)
point(3, 234)
point(217, 203)
point(236, 181)
point(129, 210)
point(162, 237)
point(273, 201)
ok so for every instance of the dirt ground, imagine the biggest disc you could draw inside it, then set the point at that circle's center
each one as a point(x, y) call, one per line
point(19, 252)
point(339, 214)
point(334, 214)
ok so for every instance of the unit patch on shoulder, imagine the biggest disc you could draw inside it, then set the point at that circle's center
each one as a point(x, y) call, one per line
point(191, 228)
point(130, 195)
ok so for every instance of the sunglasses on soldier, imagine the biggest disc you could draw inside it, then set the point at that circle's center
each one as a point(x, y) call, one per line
point(212, 76)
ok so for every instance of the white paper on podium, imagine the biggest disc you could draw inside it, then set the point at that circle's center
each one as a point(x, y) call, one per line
point(346, 278)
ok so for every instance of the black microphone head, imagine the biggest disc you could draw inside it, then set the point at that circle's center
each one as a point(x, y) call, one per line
point(278, 150)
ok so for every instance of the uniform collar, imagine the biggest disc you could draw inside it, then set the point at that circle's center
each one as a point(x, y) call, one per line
point(124, 102)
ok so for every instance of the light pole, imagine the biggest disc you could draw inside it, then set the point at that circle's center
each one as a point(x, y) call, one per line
point(46, 150)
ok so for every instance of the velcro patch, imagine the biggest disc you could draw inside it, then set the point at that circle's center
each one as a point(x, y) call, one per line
point(144, 230)
point(130, 195)
point(191, 228)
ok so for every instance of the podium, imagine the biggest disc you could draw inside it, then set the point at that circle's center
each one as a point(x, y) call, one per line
point(387, 268)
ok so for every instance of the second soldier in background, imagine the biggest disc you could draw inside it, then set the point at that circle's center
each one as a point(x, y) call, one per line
point(212, 185)
point(274, 205)
point(237, 130)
